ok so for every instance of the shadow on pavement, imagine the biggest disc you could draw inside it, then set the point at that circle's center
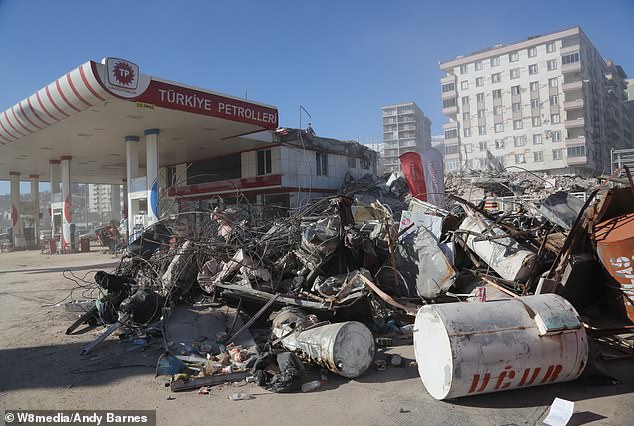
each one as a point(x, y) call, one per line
point(61, 366)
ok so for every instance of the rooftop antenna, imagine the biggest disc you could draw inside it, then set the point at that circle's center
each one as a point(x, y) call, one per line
point(301, 108)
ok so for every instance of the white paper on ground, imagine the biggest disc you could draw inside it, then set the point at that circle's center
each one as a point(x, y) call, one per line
point(560, 412)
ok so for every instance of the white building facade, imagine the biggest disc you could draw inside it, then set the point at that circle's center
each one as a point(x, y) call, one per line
point(405, 128)
point(550, 103)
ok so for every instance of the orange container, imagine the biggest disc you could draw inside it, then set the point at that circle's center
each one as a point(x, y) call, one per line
point(615, 247)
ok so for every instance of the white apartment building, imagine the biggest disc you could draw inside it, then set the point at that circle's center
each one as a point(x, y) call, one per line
point(104, 200)
point(549, 103)
point(405, 128)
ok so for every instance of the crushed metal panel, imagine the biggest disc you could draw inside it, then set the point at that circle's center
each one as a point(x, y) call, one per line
point(561, 208)
point(436, 275)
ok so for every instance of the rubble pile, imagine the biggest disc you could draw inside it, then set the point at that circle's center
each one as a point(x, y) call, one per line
point(323, 285)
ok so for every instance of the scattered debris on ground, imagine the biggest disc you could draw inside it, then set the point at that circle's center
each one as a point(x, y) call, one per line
point(511, 263)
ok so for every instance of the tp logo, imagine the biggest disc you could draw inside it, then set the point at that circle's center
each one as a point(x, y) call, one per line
point(122, 73)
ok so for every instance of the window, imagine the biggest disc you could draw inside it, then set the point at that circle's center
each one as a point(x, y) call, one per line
point(515, 90)
point(264, 162)
point(496, 78)
point(497, 94)
point(520, 158)
point(532, 69)
point(495, 61)
point(468, 148)
point(552, 64)
point(553, 82)
point(555, 119)
point(557, 136)
point(550, 47)
point(569, 59)
point(321, 163)
point(576, 151)
point(517, 124)
point(516, 106)
point(519, 141)
point(452, 149)
point(557, 154)
point(514, 57)
point(447, 103)
point(466, 131)
point(480, 97)
point(482, 130)
point(515, 73)
point(497, 110)
point(499, 127)
point(482, 113)
point(463, 69)
point(365, 164)
point(465, 116)
point(449, 87)
point(478, 66)
point(452, 165)
point(532, 52)
point(554, 100)
point(499, 143)
point(535, 103)
point(537, 121)
point(537, 139)
point(534, 86)
point(483, 146)
point(352, 163)
point(538, 156)
point(465, 100)
point(479, 81)
point(464, 85)
point(450, 134)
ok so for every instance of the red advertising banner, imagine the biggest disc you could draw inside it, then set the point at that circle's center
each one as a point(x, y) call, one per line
point(412, 167)
point(180, 98)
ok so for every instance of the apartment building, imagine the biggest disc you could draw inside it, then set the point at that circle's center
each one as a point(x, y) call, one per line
point(405, 128)
point(548, 103)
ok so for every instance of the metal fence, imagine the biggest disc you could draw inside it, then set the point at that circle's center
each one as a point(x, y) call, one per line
point(622, 157)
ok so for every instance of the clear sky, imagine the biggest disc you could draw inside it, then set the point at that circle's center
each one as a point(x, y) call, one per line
point(342, 60)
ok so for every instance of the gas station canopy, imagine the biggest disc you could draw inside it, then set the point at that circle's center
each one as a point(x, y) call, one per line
point(87, 113)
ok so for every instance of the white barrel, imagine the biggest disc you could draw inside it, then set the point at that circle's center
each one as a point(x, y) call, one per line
point(474, 348)
point(507, 257)
point(345, 348)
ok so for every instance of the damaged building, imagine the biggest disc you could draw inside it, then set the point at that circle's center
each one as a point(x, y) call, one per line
point(295, 166)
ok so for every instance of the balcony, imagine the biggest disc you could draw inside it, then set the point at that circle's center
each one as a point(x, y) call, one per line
point(572, 67)
point(577, 161)
point(575, 123)
point(454, 156)
point(448, 79)
point(574, 104)
point(570, 49)
point(449, 94)
point(450, 125)
point(573, 85)
point(578, 140)
point(452, 110)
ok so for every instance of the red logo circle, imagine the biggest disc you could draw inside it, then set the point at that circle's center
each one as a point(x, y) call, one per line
point(123, 73)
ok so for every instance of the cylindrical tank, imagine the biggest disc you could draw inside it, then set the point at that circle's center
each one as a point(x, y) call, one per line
point(513, 261)
point(474, 348)
point(345, 348)
point(615, 247)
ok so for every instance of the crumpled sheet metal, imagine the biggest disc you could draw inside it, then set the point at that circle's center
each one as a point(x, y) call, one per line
point(435, 275)
point(511, 260)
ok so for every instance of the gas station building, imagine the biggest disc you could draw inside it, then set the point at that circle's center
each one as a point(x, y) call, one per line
point(107, 123)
